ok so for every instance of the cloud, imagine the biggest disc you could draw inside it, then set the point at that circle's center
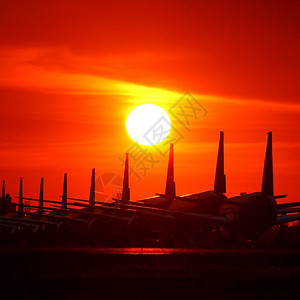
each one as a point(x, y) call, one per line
point(58, 71)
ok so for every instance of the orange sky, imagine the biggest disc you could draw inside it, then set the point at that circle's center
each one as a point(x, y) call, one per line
point(71, 73)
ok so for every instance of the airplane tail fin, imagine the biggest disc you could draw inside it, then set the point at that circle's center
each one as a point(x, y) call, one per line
point(41, 198)
point(3, 189)
point(92, 189)
point(64, 195)
point(20, 206)
point(170, 192)
point(220, 178)
point(267, 182)
point(126, 189)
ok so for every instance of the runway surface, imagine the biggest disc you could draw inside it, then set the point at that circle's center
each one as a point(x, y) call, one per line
point(148, 273)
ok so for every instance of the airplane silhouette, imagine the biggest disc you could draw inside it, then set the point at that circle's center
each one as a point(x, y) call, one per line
point(248, 215)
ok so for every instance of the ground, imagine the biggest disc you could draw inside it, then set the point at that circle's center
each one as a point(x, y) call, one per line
point(149, 274)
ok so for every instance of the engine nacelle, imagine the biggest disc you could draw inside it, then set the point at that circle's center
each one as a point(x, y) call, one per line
point(256, 216)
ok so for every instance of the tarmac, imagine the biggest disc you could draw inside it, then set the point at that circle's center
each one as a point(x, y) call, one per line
point(149, 273)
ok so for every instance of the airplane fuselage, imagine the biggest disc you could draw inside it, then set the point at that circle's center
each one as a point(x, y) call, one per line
point(252, 214)
point(208, 202)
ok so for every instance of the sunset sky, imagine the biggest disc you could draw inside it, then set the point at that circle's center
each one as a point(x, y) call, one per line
point(71, 72)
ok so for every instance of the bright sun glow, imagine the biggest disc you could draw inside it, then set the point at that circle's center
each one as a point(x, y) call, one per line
point(148, 124)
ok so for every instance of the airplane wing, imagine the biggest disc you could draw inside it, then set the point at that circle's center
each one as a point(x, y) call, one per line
point(201, 219)
point(287, 218)
point(207, 220)
point(287, 205)
point(289, 210)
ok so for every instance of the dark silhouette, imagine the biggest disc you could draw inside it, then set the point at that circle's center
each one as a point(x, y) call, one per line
point(220, 179)
point(65, 193)
point(170, 192)
point(126, 190)
point(92, 190)
point(41, 198)
point(21, 205)
point(6, 205)
point(162, 220)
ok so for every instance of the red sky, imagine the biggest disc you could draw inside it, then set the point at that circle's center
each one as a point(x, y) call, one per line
point(73, 70)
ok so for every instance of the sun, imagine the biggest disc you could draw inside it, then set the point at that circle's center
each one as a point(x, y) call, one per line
point(148, 124)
